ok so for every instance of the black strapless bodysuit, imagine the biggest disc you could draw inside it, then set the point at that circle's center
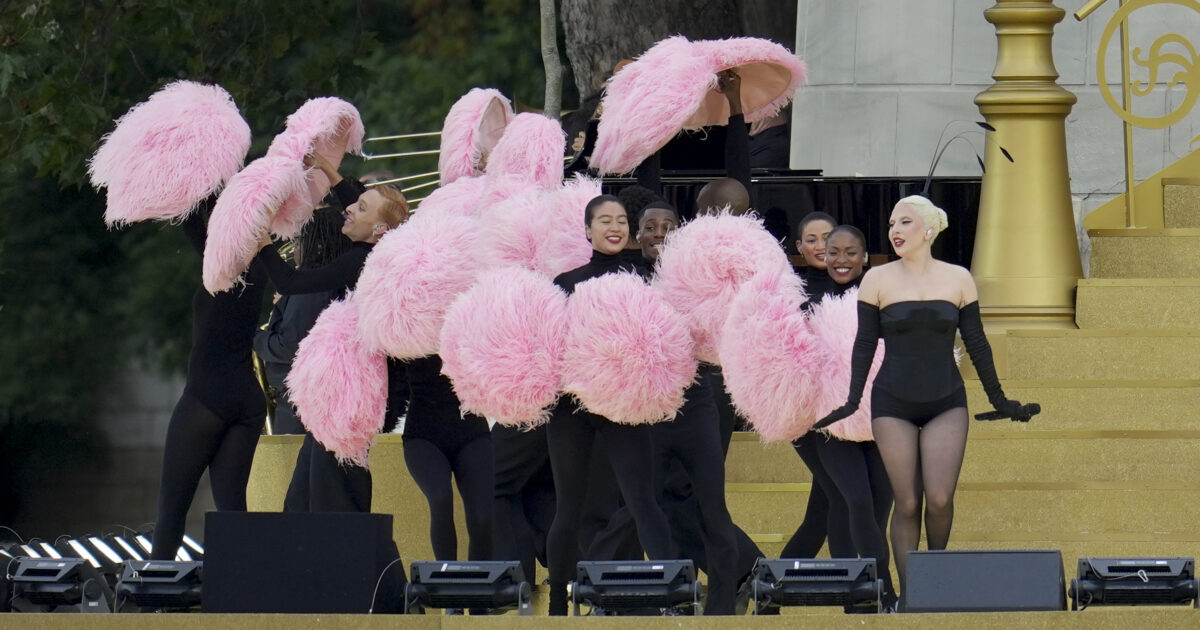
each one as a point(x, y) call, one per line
point(918, 378)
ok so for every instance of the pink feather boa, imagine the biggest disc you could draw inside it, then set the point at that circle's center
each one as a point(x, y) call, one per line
point(770, 75)
point(703, 264)
point(169, 153)
point(502, 346)
point(241, 217)
point(473, 126)
point(834, 323)
point(339, 387)
point(770, 358)
point(532, 150)
point(328, 126)
point(628, 355)
point(410, 279)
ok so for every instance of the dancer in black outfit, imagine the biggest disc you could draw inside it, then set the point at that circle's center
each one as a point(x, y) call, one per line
point(217, 421)
point(918, 402)
point(439, 443)
point(852, 474)
point(319, 483)
point(572, 430)
point(523, 491)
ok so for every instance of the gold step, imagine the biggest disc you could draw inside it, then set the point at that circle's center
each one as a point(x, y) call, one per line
point(1096, 405)
point(1145, 253)
point(1144, 303)
point(1181, 203)
point(1116, 354)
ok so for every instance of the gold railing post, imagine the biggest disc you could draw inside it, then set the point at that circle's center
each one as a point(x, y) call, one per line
point(1026, 260)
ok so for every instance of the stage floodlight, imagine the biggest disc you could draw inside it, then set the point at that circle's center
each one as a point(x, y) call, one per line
point(636, 586)
point(145, 544)
point(1133, 582)
point(48, 551)
point(63, 585)
point(194, 548)
point(158, 584)
point(494, 586)
point(129, 549)
point(812, 582)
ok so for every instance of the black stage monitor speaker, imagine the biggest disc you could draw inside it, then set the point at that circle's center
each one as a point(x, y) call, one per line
point(815, 582)
point(301, 563)
point(1134, 581)
point(636, 585)
point(984, 581)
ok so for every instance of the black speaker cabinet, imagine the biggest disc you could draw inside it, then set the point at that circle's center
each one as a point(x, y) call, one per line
point(300, 563)
point(984, 581)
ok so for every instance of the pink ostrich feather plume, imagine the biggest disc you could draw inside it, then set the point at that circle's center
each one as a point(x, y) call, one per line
point(241, 217)
point(703, 264)
point(539, 230)
point(339, 387)
point(770, 75)
point(502, 346)
point(834, 323)
point(473, 126)
point(628, 355)
point(169, 153)
point(328, 126)
point(460, 198)
point(568, 245)
point(498, 189)
point(531, 149)
point(770, 358)
point(647, 102)
point(411, 278)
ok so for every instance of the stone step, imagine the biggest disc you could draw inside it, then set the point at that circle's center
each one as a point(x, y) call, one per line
point(1112, 354)
point(1145, 253)
point(1140, 302)
point(1181, 202)
point(1096, 405)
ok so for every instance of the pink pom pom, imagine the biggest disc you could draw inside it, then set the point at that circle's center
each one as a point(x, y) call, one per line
point(472, 128)
point(628, 355)
point(339, 387)
point(568, 246)
point(540, 230)
point(241, 216)
point(532, 149)
point(169, 153)
point(647, 102)
point(410, 279)
point(502, 346)
point(834, 323)
point(500, 188)
point(770, 75)
point(769, 357)
point(328, 126)
point(460, 198)
point(703, 264)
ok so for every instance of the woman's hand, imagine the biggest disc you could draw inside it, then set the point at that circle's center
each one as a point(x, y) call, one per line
point(729, 83)
point(319, 161)
point(840, 413)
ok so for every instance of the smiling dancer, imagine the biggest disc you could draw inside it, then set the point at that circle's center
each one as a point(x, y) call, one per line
point(918, 403)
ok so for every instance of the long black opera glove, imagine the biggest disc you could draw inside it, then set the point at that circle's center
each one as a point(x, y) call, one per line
point(970, 324)
point(865, 342)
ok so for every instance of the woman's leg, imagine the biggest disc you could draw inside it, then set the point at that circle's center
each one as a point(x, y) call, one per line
point(570, 439)
point(229, 471)
point(631, 451)
point(193, 437)
point(431, 470)
point(898, 442)
point(846, 464)
point(473, 474)
point(943, 442)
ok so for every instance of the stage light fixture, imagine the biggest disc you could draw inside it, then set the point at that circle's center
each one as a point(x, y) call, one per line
point(29, 551)
point(145, 544)
point(158, 584)
point(494, 586)
point(809, 582)
point(1134, 581)
point(636, 586)
point(194, 548)
point(48, 551)
point(62, 585)
point(131, 552)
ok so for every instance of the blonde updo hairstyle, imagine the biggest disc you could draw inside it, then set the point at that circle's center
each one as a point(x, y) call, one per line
point(931, 216)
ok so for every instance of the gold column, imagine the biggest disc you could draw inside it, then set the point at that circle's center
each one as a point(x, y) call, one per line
point(1026, 259)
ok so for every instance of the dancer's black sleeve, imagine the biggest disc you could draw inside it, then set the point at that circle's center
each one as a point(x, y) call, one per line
point(865, 343)
point(970, 324)
point(737, 151)
point(195, 225)
point(340, 274)
point(348, 191)
point(649, 173)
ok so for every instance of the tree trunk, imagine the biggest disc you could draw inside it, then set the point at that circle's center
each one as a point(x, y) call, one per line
point(552, 106)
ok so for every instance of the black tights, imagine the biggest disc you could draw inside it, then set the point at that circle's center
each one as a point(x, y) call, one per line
point(198, 439)
point(631, 452)
point(823, 502)
point(471, 467)
point(923, 465)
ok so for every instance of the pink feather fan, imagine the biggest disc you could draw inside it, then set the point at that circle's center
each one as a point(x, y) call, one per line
point(328, 126)
point(703, 264)
point(770, 358)
point(502, 346)
point(770, 75)
point(409, 281)
point(834, 323)
point(647, 102)
point(531, 150)
point(339, 387)
point(169, 153)
point(242, 215)
point(628, 355)
point(472, 128)
point(460, 198)
point(539, 230)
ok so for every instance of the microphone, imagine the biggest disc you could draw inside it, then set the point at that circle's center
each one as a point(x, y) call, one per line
point(940, 149)
point(1023, 414)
